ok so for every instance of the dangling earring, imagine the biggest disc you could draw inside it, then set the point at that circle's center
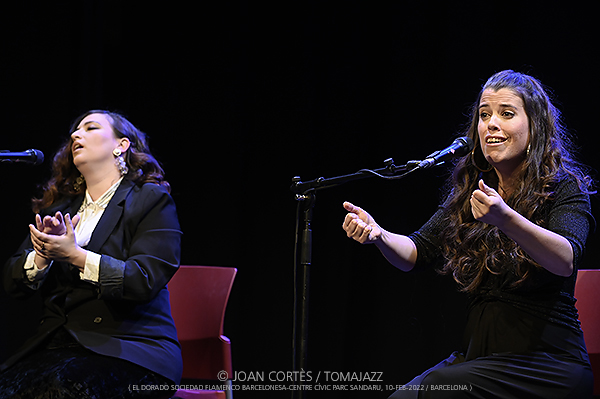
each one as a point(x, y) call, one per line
point(475, 164)
point(120, 162)
point(528, 149)
point(78, 182)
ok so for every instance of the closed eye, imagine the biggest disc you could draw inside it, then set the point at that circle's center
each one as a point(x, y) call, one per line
point(90, 125)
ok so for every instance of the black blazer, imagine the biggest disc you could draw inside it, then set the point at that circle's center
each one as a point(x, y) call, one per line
point(127, 315)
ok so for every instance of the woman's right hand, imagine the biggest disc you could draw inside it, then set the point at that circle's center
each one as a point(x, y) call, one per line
point(360, 226)
point(54, 225)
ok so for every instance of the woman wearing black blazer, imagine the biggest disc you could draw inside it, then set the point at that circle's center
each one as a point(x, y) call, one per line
point(106, 329)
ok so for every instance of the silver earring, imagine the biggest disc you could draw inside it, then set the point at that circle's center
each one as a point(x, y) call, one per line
point(120, 162)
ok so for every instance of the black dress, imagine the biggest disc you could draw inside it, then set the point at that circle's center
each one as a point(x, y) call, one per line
point(518, 343)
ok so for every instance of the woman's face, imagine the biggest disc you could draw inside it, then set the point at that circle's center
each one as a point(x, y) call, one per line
point(503, 129)
point(94, 141)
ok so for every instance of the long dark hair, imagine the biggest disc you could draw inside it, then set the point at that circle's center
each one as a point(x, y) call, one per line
point(143, 167)
point(475, 251)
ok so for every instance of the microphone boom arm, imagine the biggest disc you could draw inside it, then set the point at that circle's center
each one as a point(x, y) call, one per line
point(389, 172)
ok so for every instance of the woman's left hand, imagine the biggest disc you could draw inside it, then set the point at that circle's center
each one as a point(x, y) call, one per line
point(59, 247)
point(488, 206)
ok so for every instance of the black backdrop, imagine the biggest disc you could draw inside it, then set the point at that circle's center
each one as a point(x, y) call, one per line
point(239, 97)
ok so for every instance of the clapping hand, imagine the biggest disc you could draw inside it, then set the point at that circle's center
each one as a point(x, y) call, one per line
point(53, 237)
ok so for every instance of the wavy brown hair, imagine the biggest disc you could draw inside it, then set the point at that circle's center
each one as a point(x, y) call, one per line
point(143, 167)
point(475, 251)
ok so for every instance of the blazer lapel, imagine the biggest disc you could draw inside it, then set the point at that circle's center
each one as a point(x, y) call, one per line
point(110, 217)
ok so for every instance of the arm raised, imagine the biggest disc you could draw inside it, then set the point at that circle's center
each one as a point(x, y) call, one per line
point(399, 250)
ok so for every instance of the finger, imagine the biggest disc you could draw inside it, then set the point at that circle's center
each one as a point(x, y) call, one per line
point(38, 243)
point(35, 232)
point(479, 208)
point(69, 224)
point(365, 236)
point(352, 226)
point(38, 222)
point(39, 249)
point(474, 211)
point(348, 219)
point(478, 196)
point(357, 228)
point(40, 237)
point(351, 207)
point(75, 220)
point(486, 189)
point(57, 220)
point(47, 221)
point(474, 203)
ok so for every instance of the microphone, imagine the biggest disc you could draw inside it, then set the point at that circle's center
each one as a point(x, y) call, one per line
point(459, 147)
point(35, 157)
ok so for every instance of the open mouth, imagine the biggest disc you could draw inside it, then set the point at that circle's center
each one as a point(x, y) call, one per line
point(77, 146)
point(495, 140)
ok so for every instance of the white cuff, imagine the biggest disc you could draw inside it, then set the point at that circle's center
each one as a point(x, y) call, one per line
point(91, 272)
point(35, 276)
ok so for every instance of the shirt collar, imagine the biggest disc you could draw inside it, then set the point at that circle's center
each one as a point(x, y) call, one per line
point(104, 199)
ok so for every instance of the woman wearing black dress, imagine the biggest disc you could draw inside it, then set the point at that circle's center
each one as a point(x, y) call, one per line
point(511, 232)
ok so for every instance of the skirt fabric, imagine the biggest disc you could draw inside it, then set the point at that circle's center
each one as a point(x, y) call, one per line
point(503, 376)
point(63, 369)
point(509, 353)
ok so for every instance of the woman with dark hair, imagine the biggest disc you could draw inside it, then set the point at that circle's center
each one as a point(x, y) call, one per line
point(106, 329)
point(511, 232)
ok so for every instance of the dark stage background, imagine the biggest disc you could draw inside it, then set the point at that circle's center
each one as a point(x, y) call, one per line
point(237, 98)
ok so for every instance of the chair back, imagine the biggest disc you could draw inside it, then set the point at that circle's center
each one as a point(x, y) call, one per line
point(199, 296)
point(587, 293)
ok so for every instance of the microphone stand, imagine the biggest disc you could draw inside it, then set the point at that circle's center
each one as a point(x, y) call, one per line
point(306, 197)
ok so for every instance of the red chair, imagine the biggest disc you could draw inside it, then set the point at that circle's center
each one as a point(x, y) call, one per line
point(587, 292)
point(199, 296)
